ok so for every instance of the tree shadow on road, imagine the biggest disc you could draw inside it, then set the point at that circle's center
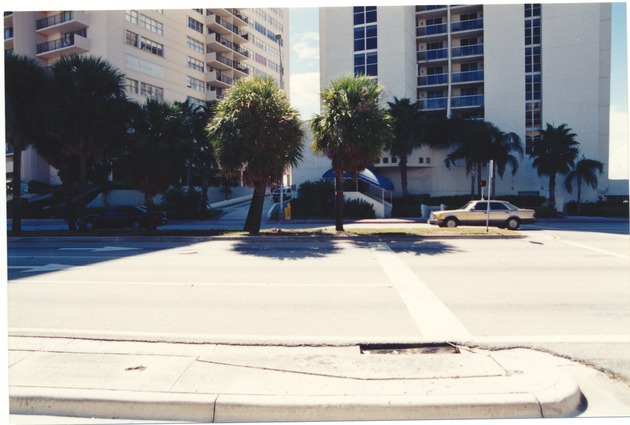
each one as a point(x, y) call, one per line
point(422, 247)
point(287, 249)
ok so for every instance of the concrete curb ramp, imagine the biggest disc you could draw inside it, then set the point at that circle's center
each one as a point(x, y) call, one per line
point(214, 383)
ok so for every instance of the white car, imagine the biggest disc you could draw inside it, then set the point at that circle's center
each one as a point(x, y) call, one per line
point(475, 213)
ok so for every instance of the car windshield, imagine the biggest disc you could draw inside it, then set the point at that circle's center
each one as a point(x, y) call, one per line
point(468, 205)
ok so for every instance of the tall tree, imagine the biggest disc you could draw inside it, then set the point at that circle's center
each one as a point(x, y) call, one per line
point(477, 143)
point(352, 129)
point(255, 130)
point(585, 171)
point(24, 85)
point(154, 153)
point(554, 152)
point(88, 109)
point(407, 130)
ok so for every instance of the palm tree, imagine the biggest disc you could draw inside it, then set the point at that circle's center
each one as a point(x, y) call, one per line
point(352, 129)
point(154, 153)
point(24, 85)
point(586, 171)
point(554, 152)
point(479, 142)
point(87, 109)
point(406, 122)
point(197, 118)
point(255, 130)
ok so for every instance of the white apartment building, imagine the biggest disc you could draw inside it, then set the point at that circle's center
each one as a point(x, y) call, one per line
point(518, 66)
point(167, 54)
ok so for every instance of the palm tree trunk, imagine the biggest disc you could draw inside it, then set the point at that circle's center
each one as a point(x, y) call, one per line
point(254, 215)
point(479, 188)
point(204, 191)
point(16, 228)
point(579, 196)
point(403, 178)
point(82, 186)
point(339, 200)
point(552, 192)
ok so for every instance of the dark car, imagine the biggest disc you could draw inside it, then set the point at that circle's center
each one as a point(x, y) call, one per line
point(125, 216)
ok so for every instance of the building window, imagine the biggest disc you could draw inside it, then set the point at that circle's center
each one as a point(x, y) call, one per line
point(533, 74)
point(132, 86)
point(199, 11)
point(151, 46)
point(420, 160)
point(151, 25)
point(364, 15)
point(366, 64)
point(131, 16)
point(196, 84)
point(195, 25)
point(195, 45)
point(151, 91)
point(196, 64)
point(131, 38)
point(428, 160)
point(385, 160)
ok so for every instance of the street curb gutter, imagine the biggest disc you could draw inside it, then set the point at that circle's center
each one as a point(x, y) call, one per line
point(564, 399)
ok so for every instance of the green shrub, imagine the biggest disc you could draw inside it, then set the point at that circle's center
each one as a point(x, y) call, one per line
point(358, 208)
point(181, 203)
point(314, 199)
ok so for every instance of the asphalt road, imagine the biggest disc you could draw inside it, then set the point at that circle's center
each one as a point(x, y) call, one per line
point(562, 288)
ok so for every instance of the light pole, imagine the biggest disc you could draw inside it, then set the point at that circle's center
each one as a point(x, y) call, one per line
point(281, 211)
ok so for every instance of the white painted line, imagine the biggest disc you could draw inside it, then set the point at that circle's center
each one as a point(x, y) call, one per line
point(603, 251)
point(430, 314)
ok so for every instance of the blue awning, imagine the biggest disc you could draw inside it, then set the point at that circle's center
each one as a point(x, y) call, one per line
point(367, 175)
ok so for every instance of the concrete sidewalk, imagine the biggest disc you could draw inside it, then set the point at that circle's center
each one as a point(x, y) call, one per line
point(222, 383)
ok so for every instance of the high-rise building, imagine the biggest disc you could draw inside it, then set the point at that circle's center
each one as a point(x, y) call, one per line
point(518, 66)
point(168, 54)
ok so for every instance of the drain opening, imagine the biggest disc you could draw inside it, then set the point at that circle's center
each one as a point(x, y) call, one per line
point(409, 349)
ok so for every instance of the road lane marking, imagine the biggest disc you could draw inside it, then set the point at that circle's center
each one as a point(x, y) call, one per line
point(603, 251)
point(432, 317)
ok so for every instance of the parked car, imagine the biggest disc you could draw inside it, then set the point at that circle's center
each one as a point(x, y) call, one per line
point(475, 213)
point(123, 216)
point(288, 194)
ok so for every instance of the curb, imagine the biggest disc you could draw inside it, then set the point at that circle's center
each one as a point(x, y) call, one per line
point(563, 399)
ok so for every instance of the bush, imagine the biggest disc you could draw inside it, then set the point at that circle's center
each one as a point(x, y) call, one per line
point(357, 208)
point(181, 203)
point(317, 200)
point(598, 209)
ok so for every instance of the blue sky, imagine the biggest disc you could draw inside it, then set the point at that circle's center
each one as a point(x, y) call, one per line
point(304, 35)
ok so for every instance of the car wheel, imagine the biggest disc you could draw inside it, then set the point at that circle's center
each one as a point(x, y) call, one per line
point(513, 223)
point(135, 225)
point(450, 222)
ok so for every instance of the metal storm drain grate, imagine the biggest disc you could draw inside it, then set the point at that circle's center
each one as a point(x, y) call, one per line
point(409, 349)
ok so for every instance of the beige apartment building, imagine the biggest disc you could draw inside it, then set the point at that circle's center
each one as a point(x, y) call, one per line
point(168, 54)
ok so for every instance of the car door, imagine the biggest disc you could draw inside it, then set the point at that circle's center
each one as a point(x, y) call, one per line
point(499, 212)
point(477, 216)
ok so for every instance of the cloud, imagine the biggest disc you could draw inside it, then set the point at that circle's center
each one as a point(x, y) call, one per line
point(305, 46)
point(305, 93)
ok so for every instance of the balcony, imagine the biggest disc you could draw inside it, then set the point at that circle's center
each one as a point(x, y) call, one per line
point(63, 22)
point(467, 25)
point(432, 30)
point(467, 51)
point(221, 44)
point(71, 43)
point(218, 61)
point(219, 80)
point(474, 101)
point(433, 55)
point(433, 80)
point(219, 25)
point(467, 77)
point(433, 104)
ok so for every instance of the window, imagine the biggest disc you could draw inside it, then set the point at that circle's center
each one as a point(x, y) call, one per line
point(131, 16)
point(132, 85)
point(131, 38)
point(151, 25)
point(364, 15)
point(195, 25)
point(420, 160)
point(366, 64)
point(152, 46)
point(196, 84)
point(365, 38)
point(199, 11)
point(196, 64)
point(195, 45)
point(151, 91)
